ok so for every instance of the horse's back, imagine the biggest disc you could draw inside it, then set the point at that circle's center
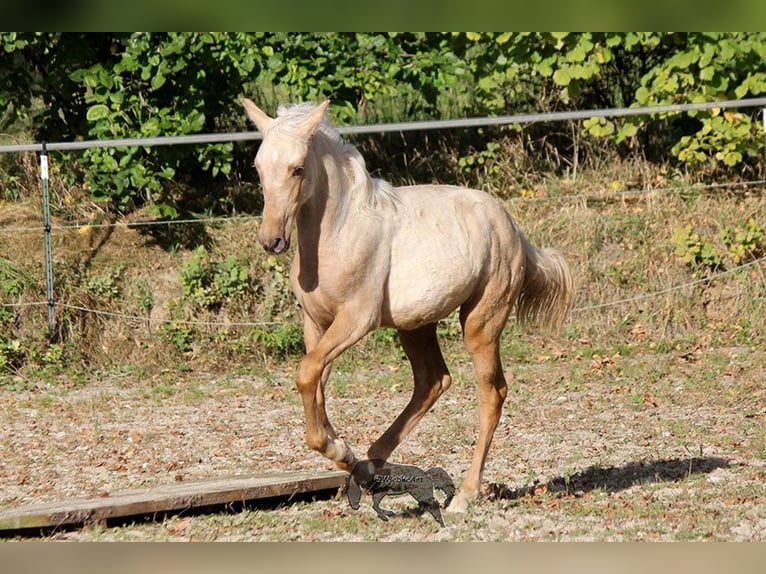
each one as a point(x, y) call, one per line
point(430, 206)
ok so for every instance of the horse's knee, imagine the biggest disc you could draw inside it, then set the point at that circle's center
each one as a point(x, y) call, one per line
point(309, 374)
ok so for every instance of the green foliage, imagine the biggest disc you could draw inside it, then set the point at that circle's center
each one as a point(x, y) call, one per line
point(181, 336)
point(209, 283)
point(66, 86)
point(106, 285)
point(11, 353)
point(596, 70)
point(143, 292)
point(745, 243)
point(14, 282)
point(279, 341)
point(13, 279)
point(276, 290)
point(741, 243)
point(722, 139)
point(384, 340)
point(161, 85)
point(487, 161)
point(694, 250)
point(450, 328)
point(709, 67)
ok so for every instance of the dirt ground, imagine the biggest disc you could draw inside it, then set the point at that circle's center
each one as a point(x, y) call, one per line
point(651, 446)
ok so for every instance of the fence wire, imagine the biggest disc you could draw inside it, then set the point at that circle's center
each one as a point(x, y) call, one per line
point(653, 294)
point(193, 323)
point(397, 126)
point(578, 197)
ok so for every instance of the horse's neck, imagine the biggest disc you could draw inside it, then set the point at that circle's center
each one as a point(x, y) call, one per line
point(318, 221)
point(322, 212)
point(328, 205)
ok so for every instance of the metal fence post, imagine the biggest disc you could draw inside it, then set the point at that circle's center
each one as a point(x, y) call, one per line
point(47, 241)
point(763, 115)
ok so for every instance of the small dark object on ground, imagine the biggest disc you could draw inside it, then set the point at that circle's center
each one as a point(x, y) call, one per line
point(381, 479)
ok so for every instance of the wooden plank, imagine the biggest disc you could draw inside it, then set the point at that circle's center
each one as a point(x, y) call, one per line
point(170, 497)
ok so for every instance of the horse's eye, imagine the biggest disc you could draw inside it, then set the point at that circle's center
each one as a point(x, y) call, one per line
point(298, 171)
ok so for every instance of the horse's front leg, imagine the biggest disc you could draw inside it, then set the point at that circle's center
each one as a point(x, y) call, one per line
point(345, 330)
point(312, 333)
point(321, 408)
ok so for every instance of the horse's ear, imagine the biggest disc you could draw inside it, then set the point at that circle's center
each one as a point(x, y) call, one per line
point(260, 118)
point(312, 121)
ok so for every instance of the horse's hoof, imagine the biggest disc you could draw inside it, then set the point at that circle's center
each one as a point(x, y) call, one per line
point(459, 505)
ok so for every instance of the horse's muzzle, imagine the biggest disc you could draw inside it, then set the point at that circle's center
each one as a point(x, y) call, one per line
point(276, 245)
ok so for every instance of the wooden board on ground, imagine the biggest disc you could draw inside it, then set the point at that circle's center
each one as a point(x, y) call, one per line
point(168, 498)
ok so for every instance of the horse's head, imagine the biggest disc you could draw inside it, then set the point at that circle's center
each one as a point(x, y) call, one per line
point(281, 164)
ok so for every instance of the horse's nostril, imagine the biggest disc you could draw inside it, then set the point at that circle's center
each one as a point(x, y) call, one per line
point(274, 247)
point(277, 245)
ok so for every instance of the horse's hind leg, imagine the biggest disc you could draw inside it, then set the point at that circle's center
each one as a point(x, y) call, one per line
point(431, 380)
point(482, 326)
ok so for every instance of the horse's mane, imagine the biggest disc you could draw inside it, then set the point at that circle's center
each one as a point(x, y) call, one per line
point(375, 190)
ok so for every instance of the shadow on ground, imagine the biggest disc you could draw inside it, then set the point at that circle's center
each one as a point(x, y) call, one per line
point(614, 478)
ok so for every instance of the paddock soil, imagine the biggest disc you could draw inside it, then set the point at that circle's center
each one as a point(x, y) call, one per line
point(643, 446)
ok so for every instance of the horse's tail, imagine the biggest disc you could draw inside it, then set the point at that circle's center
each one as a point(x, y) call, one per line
point(547, 294)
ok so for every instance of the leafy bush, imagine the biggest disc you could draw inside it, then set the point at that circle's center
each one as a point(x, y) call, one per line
point(745, 243)
point(209, 283)
point(279, 341)
point(106, 285)
point(66, 86)
point(695, 250)
point(161, 85)
point(742, 243)
point(11, 354)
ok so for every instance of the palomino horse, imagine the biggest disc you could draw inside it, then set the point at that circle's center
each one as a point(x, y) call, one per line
point(370, 255)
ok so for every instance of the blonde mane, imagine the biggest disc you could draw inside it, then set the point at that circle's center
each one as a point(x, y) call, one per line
point(375, 191)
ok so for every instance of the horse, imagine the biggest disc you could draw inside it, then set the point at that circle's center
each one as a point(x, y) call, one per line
point(370, 256)
point(381, 478)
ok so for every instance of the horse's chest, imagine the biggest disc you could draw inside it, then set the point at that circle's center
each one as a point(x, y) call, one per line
point(319, 292)
point(321, 309)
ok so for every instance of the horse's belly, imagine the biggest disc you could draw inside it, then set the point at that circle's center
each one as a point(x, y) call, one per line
point(427, 289)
